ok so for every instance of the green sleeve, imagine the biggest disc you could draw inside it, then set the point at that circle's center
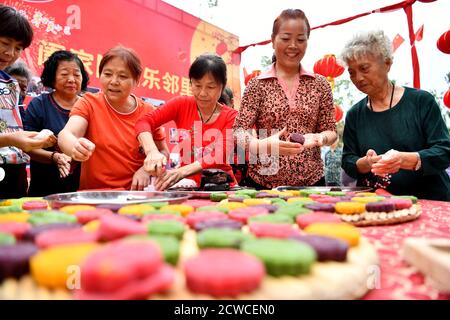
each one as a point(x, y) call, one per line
point(436, 156)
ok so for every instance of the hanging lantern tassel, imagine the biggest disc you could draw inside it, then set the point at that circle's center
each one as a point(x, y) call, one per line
point(331, 82)
point(329, 67)
point(447, 99)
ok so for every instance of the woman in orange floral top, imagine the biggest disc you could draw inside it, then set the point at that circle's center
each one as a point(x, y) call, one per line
point(284, 100)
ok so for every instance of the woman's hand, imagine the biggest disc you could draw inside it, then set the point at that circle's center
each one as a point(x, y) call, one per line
point(49, 141)
point(26, 140)
point(169, 178)
point(313, 140)
point(63, 162)
point(364, 164)
point(141, 180)
point(83, 149)
point(273, 144)
point(372, 158)
point(390, 162)
point(155, 163)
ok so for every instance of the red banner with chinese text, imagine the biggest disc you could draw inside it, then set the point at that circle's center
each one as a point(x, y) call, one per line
point(166, 39)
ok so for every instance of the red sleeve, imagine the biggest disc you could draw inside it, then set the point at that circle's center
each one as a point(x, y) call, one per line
point(156, 118)
point(159, 133)
point(222, 150)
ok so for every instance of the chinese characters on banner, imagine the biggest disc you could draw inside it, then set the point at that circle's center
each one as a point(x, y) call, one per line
point(152, 78)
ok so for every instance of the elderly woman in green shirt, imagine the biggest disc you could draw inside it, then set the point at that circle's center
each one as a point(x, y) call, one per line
point(395, 137)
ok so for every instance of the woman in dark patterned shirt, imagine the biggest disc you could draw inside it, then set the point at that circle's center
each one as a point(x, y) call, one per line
point(284, 100)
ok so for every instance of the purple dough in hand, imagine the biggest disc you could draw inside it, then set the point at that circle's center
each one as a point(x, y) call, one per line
point(297, 138)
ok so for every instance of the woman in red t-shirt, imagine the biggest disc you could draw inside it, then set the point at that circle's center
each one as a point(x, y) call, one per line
point(204, 126)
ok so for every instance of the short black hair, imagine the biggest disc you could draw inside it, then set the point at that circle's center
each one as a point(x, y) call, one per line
point(227, 97)
point(14, 25)
point(209, 63)
point(48, 76)
point(19, 69)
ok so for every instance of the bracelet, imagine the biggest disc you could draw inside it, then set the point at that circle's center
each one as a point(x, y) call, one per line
point(52, 158)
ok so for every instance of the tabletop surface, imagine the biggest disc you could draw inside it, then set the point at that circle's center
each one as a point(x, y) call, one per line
point(398, 279)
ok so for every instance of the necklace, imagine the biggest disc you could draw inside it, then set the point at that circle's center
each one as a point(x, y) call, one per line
point(134, 105)
point(390, 103)
point(201, 116)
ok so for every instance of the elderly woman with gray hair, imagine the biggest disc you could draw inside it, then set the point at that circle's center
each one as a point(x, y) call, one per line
point(395, 138)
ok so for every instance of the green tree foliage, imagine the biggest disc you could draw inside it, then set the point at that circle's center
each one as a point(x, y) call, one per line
point(345, 94)
point(266, 61)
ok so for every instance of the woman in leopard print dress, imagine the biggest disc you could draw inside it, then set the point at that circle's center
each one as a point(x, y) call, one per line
point(284, 100)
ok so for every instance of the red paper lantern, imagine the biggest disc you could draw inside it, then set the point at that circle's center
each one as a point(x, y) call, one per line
point(328, 66)
point(447, 99)
point(338, 112)
point(252, 75)
point(443, 42)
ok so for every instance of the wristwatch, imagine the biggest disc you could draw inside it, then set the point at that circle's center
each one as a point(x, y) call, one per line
point(419, 162)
